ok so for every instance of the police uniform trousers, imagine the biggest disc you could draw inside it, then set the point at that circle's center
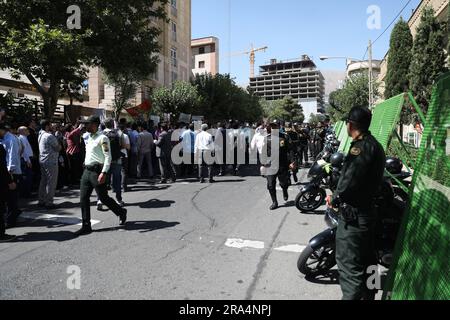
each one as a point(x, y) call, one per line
point(355, 252)
point(283, 178)
point(89, 182)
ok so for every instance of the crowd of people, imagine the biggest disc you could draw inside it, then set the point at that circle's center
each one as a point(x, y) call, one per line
point(43, 158)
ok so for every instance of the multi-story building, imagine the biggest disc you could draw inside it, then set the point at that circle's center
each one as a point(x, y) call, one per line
point(205, 55)
point(298, 78)
point(175, 64)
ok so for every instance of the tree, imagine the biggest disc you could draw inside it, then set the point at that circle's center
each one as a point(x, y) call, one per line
point(428, 61)
point(293, 111)
point(222, 99)
point(399, 60)
point(183, 97)
point(355, 93)
point(448, 34)
point(35, 40)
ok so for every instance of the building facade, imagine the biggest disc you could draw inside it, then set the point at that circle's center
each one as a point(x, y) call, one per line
point(298, 78)
point(205, 55)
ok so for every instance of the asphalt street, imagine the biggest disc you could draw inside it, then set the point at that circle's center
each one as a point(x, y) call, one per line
point(183, 241)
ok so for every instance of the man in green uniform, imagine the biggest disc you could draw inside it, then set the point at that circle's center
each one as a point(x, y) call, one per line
point(360, 181)
point(96, 168)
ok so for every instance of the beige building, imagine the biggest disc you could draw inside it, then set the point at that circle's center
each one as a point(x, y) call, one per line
point(439, 6)
point(205, 55)
point(356, 67)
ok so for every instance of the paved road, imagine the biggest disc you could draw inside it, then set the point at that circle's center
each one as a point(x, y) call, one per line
point(183, 241)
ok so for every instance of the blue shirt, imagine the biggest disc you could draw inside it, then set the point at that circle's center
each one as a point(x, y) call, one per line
point(134, 135)
point(12, 146)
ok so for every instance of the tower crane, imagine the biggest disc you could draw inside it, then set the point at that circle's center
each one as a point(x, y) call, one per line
point(252, 54)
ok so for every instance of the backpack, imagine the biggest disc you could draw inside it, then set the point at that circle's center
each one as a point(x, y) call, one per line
point(115, 143)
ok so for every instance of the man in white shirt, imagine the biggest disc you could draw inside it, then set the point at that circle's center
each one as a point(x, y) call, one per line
point(27, 168)
point(204, 146)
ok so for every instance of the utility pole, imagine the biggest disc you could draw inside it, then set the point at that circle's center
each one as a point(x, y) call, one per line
point(371, 93)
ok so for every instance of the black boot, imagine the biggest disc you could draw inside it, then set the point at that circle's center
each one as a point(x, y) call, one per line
point(285, 194)
point(85, 230)
point(273, 195)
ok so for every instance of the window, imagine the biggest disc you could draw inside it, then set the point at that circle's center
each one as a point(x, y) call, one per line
point(174, 31)
point(173, 3)
point(201, 50)
point(173, 57)
point(201, 65)
point(174, 76)
point(173, 7)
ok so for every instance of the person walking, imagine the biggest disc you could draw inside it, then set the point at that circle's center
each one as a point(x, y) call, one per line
point(204, 146)
point(361, 179)
point(49, 148)
point(96, 168)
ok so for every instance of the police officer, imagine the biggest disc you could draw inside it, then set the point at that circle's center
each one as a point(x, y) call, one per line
point(294, 139)
point(96, 168)
point(278, 169)
point(360, 180)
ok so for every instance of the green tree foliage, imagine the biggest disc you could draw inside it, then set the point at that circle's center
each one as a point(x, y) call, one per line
point(221, 99)
point(399, 60)
point(355, 93)
point(35, 41)
point(428, 61)
point(284, 110)
point(183, 97)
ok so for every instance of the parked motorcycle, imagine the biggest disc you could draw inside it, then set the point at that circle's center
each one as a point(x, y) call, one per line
point(319, 256)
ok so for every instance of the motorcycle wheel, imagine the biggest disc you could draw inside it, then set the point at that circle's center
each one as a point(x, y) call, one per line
point(313, 263)
point(310, 201)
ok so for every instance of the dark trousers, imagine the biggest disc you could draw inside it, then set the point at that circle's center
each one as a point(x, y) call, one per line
point(27, 180)
point(89, 182)
point(125, 173)
point(303, 154)
point(283, 178)
point(202, 165)
point(75, 164)
point(187, 169)
point(133, 164)
point(167, 169)
point(12, 201)
point(2, 217)
point(355, 252)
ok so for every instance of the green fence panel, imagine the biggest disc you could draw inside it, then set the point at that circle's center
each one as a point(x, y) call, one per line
point(421, 268)
point(384, 121)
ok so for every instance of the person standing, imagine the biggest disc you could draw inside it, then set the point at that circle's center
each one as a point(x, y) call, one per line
point(126, 147)
point(49, 148)
point(133, 158)
point(187, 140)
point(6, 184)
point(26, 161)
point(360, 181)
point(303, 147)
point(96, 168)
point(116, 142)
point(164, 155)
point(145, 144)
point(221, 148)
point(13, 150)
point(204, 146)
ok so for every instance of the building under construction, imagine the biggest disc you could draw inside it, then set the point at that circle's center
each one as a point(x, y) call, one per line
point(298, 78)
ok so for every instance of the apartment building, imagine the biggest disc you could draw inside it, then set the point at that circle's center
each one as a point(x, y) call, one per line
point(205, 55)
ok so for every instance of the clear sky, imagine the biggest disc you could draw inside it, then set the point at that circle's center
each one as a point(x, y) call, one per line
point(291, 28)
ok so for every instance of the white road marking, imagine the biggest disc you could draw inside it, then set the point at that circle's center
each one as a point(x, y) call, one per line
point(69, 220)
point(295, 248)
point(240, 244)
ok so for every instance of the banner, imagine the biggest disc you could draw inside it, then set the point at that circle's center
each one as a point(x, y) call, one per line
point(144, 107)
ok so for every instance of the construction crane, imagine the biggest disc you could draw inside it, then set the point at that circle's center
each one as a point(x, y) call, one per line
point(252, 55)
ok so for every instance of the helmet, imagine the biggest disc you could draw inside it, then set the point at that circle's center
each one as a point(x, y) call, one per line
point(394, 165)
point(337, 160)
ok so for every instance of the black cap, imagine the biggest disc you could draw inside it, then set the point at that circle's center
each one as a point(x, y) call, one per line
point(361, 116)
point(91, 119)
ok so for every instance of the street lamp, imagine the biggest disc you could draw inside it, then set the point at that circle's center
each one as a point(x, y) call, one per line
point(349, 60)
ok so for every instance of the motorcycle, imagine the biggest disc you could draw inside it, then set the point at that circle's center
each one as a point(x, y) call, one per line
point(331, 146)
point(319, 256)
point(322, 175)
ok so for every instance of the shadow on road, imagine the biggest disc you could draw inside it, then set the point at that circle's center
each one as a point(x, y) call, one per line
point(58, 236)
point(152, 204)
point(147, 188)
point(330, 278)
point(142, 226)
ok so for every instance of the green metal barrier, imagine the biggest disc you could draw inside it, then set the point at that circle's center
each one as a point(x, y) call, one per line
point(421, 268)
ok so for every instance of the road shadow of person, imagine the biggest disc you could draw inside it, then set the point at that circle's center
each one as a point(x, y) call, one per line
point(329, 278)
point(147, 188)
point(152, 204)
point(57, 236)
point(141, 226)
